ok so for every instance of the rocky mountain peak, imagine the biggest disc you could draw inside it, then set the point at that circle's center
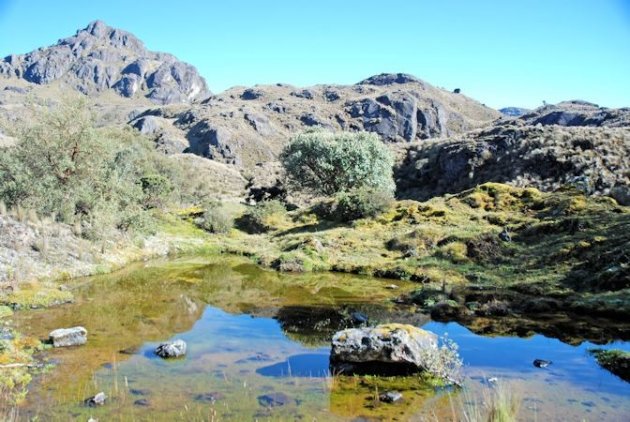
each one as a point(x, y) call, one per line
point(385, 79)
point(100, 58)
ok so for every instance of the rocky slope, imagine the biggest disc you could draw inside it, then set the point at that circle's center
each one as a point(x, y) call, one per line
point(98, 59)
point(572, 143)
point(247, 126)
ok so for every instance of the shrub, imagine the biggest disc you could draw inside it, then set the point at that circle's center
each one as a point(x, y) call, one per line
point(444, 362)
point(217, 219)
point(326, 163)
point(99, 179)
point(263, 216)
point(361, 203)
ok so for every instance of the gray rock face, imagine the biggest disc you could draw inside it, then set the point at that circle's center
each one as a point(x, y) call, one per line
point(400, 347)
point(66, 337)
point(545, 157)
point(147, 125)
point(99, 58)
point(173, 349)
point(576, 113)
point(211, 141)
point(259, 122)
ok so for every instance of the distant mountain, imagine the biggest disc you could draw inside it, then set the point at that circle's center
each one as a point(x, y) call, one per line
point(514, 111)
point(99, 59)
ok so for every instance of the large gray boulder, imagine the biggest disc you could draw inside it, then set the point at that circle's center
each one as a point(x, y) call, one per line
point(66, 337)
point(384, 349)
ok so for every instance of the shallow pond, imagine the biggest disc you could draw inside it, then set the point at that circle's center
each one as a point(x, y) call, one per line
point(258, 350)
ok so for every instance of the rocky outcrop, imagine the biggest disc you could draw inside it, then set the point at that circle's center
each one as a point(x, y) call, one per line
point(66, 337)
point(247, 126)
point(592, 159)
point(384, 349)
point(514, 111)
point(172, 349)
point(100, 58)
point(576, 113)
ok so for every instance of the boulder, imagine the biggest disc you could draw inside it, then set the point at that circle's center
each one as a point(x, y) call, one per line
point(171, 349)
point(251, 94)
point(259, 122)
point(389, 349)
point(65, 337)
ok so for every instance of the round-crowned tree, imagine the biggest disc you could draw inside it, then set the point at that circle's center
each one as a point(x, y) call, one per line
point(326, 163)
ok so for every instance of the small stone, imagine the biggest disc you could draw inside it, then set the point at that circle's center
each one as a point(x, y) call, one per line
point(391, 287)
point(97, 400)
point(65, 337)
point(359, 318)
point(390, 397)
point(173, 349)
point(541, 363)
point(141, 403)
point(212, 397)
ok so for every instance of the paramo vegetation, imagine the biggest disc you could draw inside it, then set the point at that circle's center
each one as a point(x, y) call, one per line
point(101, 180)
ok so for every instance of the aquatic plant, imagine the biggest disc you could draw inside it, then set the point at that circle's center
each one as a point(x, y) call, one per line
point(444, 363)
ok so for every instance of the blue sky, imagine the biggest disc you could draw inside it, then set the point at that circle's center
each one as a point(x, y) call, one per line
point(511, 52)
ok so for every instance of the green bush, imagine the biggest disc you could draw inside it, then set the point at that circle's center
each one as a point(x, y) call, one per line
point(263, 216)
point(217, 219)
point(326, 163)
point(361, 203)
point(102, 180)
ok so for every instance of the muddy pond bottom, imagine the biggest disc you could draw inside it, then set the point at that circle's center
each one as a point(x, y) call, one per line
point(258, 348)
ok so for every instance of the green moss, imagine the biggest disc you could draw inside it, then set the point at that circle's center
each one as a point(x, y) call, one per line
point(5, 311)
point(38, 298)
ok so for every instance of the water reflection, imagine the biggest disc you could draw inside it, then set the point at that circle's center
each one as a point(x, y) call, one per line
point(254, 333)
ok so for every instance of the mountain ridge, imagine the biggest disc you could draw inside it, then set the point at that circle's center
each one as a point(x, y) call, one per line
point(100, 58)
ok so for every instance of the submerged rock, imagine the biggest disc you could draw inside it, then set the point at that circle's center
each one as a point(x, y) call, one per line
point(274, 400)
point(97, 400)
point(173, 349)
point(65, 337)
point(384, 349)
point(142, 403)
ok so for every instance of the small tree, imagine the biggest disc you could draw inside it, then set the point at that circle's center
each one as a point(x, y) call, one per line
point(325, 163)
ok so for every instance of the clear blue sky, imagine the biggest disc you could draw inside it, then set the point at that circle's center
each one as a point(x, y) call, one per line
point(510, 52)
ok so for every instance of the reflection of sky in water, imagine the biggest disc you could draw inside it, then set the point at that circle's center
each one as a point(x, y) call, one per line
point(261, 341)
point(516, 355)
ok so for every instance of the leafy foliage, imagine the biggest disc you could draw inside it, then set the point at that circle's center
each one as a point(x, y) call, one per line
point(362, 203)
point(263, 216)
point(326, 163)
point(217, 218)
point(103, 179)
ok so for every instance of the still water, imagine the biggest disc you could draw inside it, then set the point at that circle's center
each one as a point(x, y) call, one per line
point(258, 345)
